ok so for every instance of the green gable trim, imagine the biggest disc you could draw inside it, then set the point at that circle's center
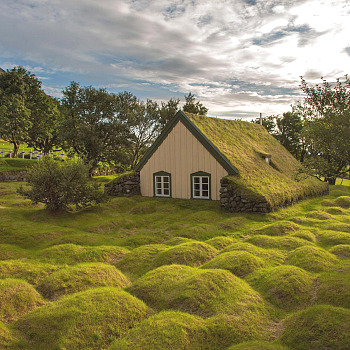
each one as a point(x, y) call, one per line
point(209, 146)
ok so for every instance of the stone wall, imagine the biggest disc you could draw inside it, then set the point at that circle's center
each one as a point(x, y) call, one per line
point(13, 176)
point(125, 186)
point(233, 201)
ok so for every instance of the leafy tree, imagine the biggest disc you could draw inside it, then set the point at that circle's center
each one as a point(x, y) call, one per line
point(326, 109)
point(61, 184)
point(19, 92)
point(268, 122)
point(168, 111)
point(194, 107)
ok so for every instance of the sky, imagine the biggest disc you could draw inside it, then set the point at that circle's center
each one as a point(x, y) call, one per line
point(238, 57)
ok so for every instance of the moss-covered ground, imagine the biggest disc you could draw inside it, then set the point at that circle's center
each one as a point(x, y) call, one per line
point(145, 273)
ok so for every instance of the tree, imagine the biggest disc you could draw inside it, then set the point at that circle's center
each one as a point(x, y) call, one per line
point(326, 109)
point(168, 111)
point(19, 92)
point(268, 122)
point(91, 126)
point(61, 184)
point(192, 107)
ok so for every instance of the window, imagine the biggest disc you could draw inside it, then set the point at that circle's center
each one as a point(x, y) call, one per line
point(200, 185)
point(162, 184)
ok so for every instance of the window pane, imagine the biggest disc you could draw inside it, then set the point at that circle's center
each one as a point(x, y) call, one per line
point(166, 192)
point(196, 180)
point(205, 179)
point(205, 187)
point(166, 178)
point(158, 179)
point(196, 186)
point(159, 185)
point(205, 194)
point(196, 193)
point(166, 185)
point(159, 191)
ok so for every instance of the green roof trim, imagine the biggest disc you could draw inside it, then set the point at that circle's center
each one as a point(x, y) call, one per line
point(197, 133)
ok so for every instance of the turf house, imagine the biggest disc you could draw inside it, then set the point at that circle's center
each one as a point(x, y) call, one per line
point(235, 162)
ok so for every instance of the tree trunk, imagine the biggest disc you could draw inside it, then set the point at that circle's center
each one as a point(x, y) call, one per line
point(331, 180)
point(15, 149)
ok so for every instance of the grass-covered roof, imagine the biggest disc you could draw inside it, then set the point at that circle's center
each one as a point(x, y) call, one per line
point(246, 145)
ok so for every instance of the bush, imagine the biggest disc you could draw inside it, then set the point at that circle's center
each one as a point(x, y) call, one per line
point(61, 184)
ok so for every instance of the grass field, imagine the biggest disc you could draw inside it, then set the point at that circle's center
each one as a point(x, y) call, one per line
point(155, 273)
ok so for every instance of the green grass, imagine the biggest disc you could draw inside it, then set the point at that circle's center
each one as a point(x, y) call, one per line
point(258, 345)
point(15, 164)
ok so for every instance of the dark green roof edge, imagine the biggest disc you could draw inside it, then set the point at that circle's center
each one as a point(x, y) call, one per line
point(213, 150)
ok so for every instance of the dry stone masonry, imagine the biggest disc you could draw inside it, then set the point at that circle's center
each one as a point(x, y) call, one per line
point(125, 186)
point(13, 176)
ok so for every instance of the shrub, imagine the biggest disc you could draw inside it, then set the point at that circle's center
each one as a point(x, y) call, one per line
point(61, 184)
point(81, 277)
point(318, 327)
point(287, 287)
point(239, 263)
point(341, 250)
point(86, 320)
point(17, 298)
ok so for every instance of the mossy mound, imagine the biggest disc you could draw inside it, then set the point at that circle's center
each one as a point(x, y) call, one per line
point(283, 243)
point(81, 277)
point(343, 202)
point(312, 259)
point(319, 215)
point(239, 263)
point(287, 287)
point(333, 237)
point(7, 341)
point(280, 228)
point(341, 250)
point(191, 254)
point(305, 234)
point(177, 240)
point(166, 330)
point(17, 298)
point(140, 260)
point(318, 327)
point(271, 256)
point(85, 320)
point(334, 289)
point(10, 251)
point(74, 254)
point(220, 242)
point(196, 291)
point(336, 211)
point(258, 345)
point(29, 270)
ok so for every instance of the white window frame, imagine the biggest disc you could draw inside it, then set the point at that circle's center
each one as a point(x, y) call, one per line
point(201, 183)
point(162, 187)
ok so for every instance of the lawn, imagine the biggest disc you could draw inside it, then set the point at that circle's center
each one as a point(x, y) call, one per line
point(156, 273)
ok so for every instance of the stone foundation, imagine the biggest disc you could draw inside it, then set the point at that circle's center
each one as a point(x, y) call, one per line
point(13, 176)
point(125, 186)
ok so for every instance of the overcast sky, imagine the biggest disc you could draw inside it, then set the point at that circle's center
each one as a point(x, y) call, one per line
point(239, 57)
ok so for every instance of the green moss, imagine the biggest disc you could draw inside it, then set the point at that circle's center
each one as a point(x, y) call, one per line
point(320, 215)
point(343, 202)
point(29, 270)
point(85, 320)
point(197, 291)
point(312, 259)
point(81, 277)
point(120, 176)
point(280, 228)
point(258, 345)
point(341, 250)
point(336, 211)
point(7, 341)
point(239, 263)
point(318, 327)
point(10, 251)
point(191, 254)
point(166, 330)
point(140, 260)
point(17, 298)
point(287, 287)
point(329, 238)
point(73, 254)
point(282, 243)
point(305, 234)
point(177, 240)
point(221, 242)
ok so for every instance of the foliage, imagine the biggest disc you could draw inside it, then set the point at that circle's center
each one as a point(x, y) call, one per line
point(59, 185)
point(195, 108)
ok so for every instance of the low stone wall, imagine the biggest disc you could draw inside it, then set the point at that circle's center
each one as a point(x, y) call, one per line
point(125, 186)
point(103, 171)
point(233, 201)
point(13, 176)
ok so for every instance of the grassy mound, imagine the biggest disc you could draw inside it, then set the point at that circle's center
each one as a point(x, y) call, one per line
point(7, 341)
point(305, 234)
point(74, 254)
point(287, 287)
point(10, 251)
point(271, 256)
point(220, 242)
point(319, 215)
point(17, 298)
point(166, 330)
point(318, 327)
point(334, 289)
point(191, 254)
point(336, 211)
point(279, 228)
point(258, 345)
point(85, 320)
point(197, 291)
point(343, 202)
point(81, 277)
point(29, 270)
point(341, 250)
point(177, 240)
point(329, 238)
point(239, 263)
point(282, 243)
point(312, 259)
point(140, 260)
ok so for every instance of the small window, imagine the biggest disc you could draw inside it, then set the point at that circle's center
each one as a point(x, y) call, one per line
point(200, 183)
point(162, 184)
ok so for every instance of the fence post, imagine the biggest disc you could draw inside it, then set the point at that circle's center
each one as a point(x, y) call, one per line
point(62, 154)
point(2, 153)
point(11, 154)
point(23, 154)
point(30, 154)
